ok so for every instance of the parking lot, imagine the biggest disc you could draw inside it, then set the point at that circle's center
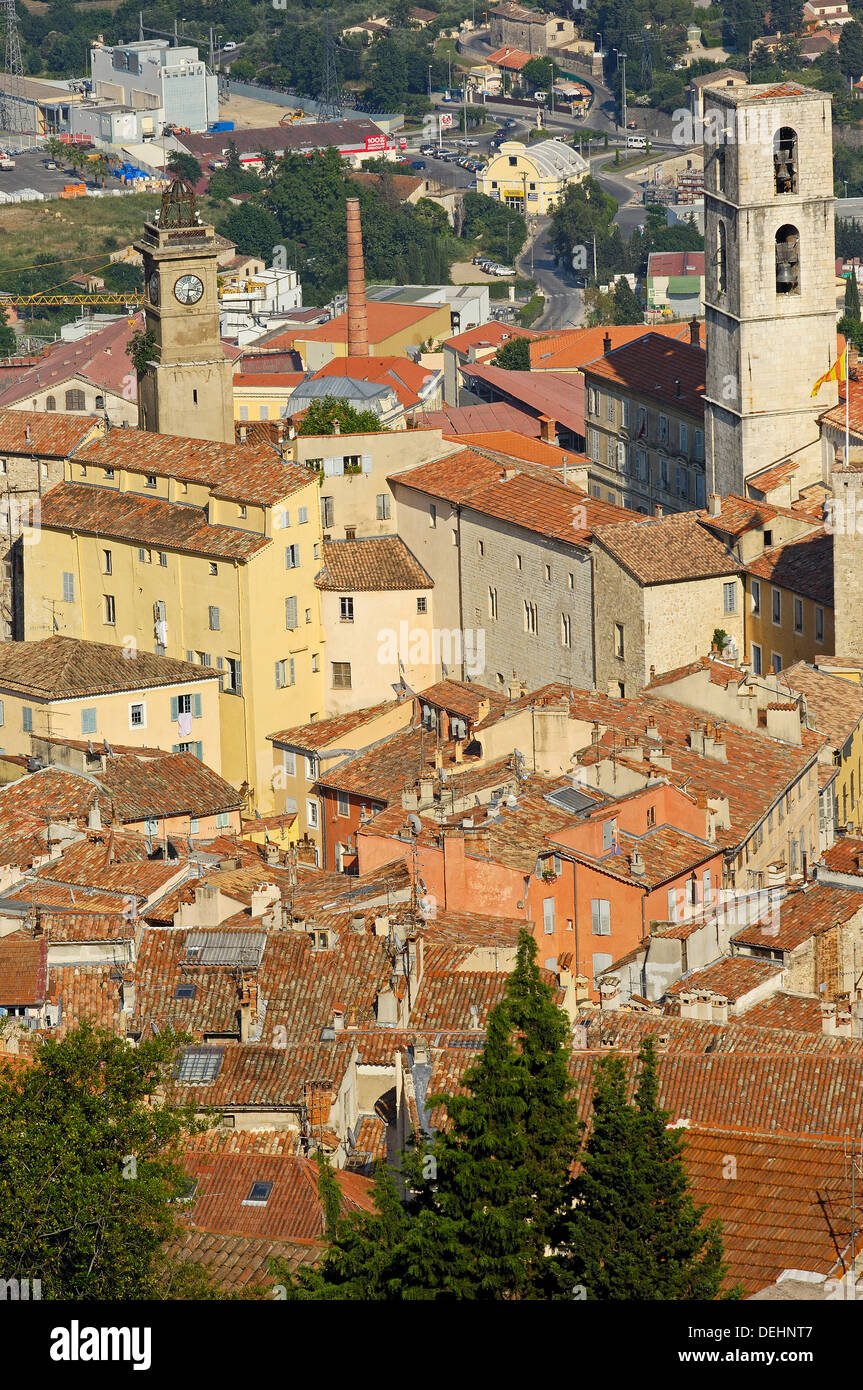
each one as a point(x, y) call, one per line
point(30, 172)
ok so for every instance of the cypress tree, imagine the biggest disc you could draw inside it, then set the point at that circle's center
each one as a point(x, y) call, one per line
point(635, 1232)
point(852, 297)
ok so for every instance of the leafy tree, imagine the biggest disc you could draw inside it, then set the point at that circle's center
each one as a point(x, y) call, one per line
point(95, 1164)
point(253, 229)
point(323, 411)
point(539, 74)
point(850, 50)
point(852, 297)
point(583, 214)
point(8, 341)
point(500, 230)
point(634, 1232)
point(849, 237)
point(852, 331)
point(514, 355)
point(626, 307)
point(186, 166)
point(243, 69)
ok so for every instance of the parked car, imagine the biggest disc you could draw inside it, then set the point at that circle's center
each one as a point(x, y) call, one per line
point(229, 46)
point(427, 149)
point(50, 163)
point(540, 96)
point(632, 125)
point(502, 270)
point(418, 164)
point(509, 123)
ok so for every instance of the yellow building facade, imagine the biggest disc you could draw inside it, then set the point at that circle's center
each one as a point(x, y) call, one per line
point(202, 552)
point(531, 178)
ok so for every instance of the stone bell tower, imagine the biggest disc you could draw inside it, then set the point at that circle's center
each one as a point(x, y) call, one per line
point(186, 388)
point(770, 298)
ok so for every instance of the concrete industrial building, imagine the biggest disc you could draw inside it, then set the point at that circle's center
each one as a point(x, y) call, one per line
point(168, 85)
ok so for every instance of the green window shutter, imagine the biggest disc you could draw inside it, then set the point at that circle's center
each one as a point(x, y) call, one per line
point(199, 751)
point(196, 706)
point(175, 708)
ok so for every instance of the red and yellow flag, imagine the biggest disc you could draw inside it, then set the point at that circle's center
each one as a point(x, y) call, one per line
point(838, 372)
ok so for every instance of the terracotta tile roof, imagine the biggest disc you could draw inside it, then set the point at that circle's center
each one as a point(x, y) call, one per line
point(403, 185)
point(800, 1013)
point(804, 913)
point(97, 511)
point(62, 897)
point(469, 930)
point(675, 263)
point(80, 864)
point(237, 1264)
point(161, 968)
point(464, 698)
point(380, 774)
point(510, 444)
point(87, 925)
point(789, 1206)
point(489, 335)
point(834, 704)
point(666, 852)
point(239, 472)
point(740, 514)
point(448, 1000)
point(374, 564)
point(261, 380)
point(407, 378)
point(87, 992)
point(465, 419)
point(843, 856)
point(513, 59)
point(547, 507)
point(41, 434)
point(292, 1210)
point(65, 667)
point(23, 970)
point(733, 976)
point(384, 320)
point(669, 550)
point(803, 566)
point(651, 366)
point(99, 358)
point(322, 733)
point(719, 672)
point(559, 395)
point(280, 1078)
point(574, 349)
point(768, 478)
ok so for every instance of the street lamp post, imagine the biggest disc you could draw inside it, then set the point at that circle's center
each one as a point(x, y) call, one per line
point(430, 95)
point(622, 57)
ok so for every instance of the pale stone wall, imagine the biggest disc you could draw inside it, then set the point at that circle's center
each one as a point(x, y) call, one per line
point(765, 349)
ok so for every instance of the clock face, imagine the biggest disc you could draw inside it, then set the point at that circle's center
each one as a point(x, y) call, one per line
point(188, 289)
point(153, 287)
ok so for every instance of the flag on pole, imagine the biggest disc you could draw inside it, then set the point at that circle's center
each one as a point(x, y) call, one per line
point(838, 372)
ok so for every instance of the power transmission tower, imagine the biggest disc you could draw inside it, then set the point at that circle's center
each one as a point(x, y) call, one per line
point(331, 101)
point(646, 62)
point(13, 116)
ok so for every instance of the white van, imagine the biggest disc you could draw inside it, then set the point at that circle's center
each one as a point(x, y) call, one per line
point(636, 142)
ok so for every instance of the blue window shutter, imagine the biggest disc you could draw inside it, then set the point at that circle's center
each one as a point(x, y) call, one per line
point(196, 706)
point(175, 709)
point(88, 721)
point(199, 751)
point(329, 467)
point(367, 463)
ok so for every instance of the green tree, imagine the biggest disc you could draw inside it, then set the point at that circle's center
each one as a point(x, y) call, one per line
point(253, 229)
point(852, 297)
point(96, 1168)
point(324, 410)
point(8, 341)
point(539, 74)
point(851, 50)
point(634, 1232)
point(626, 307)
point(186, 166)
point(514, 355)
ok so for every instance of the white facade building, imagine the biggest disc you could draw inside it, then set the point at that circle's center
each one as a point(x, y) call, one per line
point(166, 84)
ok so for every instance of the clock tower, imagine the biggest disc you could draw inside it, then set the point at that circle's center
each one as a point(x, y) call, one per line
point(186, 388)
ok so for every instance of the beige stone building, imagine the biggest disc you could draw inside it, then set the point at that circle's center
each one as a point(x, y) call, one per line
point(644, 424)
point(514, 26)
point(770, 302)
point(662, 588)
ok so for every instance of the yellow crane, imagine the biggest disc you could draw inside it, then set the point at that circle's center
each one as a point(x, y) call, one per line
point(130, 299)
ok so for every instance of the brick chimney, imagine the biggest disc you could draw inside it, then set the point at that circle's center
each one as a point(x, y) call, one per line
point(358, 327)
point(606, 343)
point(694, 332)
point(547, 429)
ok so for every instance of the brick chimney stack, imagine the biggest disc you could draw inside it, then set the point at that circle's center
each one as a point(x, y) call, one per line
point(358, 328)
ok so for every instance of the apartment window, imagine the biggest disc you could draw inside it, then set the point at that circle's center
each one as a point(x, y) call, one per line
point(548, 574)
point(89, 722)
point(341, 675)
point(350, 533)
point(422, 605)
point(684, 437)
point(144, 556)
point(193, 825)
point(729, 597)
point(214, 618)
point(163, 559)
point(343, 803)
point(641, 464)
point(68, 587)
point(284, 673)
point(593, 444)
point(328, 512)
point(492, 602)
point(382, 506)
point(204, 659)
point(27, 719)
point(151, 825)
point(600, 916)
point(311, 767)
point(289, 763)
point(315, 666)
point(291, 613)
point(663, 474)
point(75, 400)
point(308, 615)
point(107, 562)
point(137, 716)
point(819, 624)
point(151, 480)
point(480, 549)
point(663, 429)
point(292, 557)
point(570, 581)
point(548, 916)
point(776, 662)
point(530, 617)
point(609, 834)
point(346, 610)
point(798, 615)
point(611, 409)
point(755, 590)
point(50, 403)
point(642, 422)
point(303, 516)
point(519, 563)
point(618, 640)
point(312, 814)
point(565, 630)
point(682, 482)
point(110, 611)
point(699, 489)
point(651, 817)
point(454, 536)
point(223, 820)
point(242, 512)
point(699, 444)
point(233, 681)
point(756, 659)
point(777, 606)
point(432, 514)
point(214, 569)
